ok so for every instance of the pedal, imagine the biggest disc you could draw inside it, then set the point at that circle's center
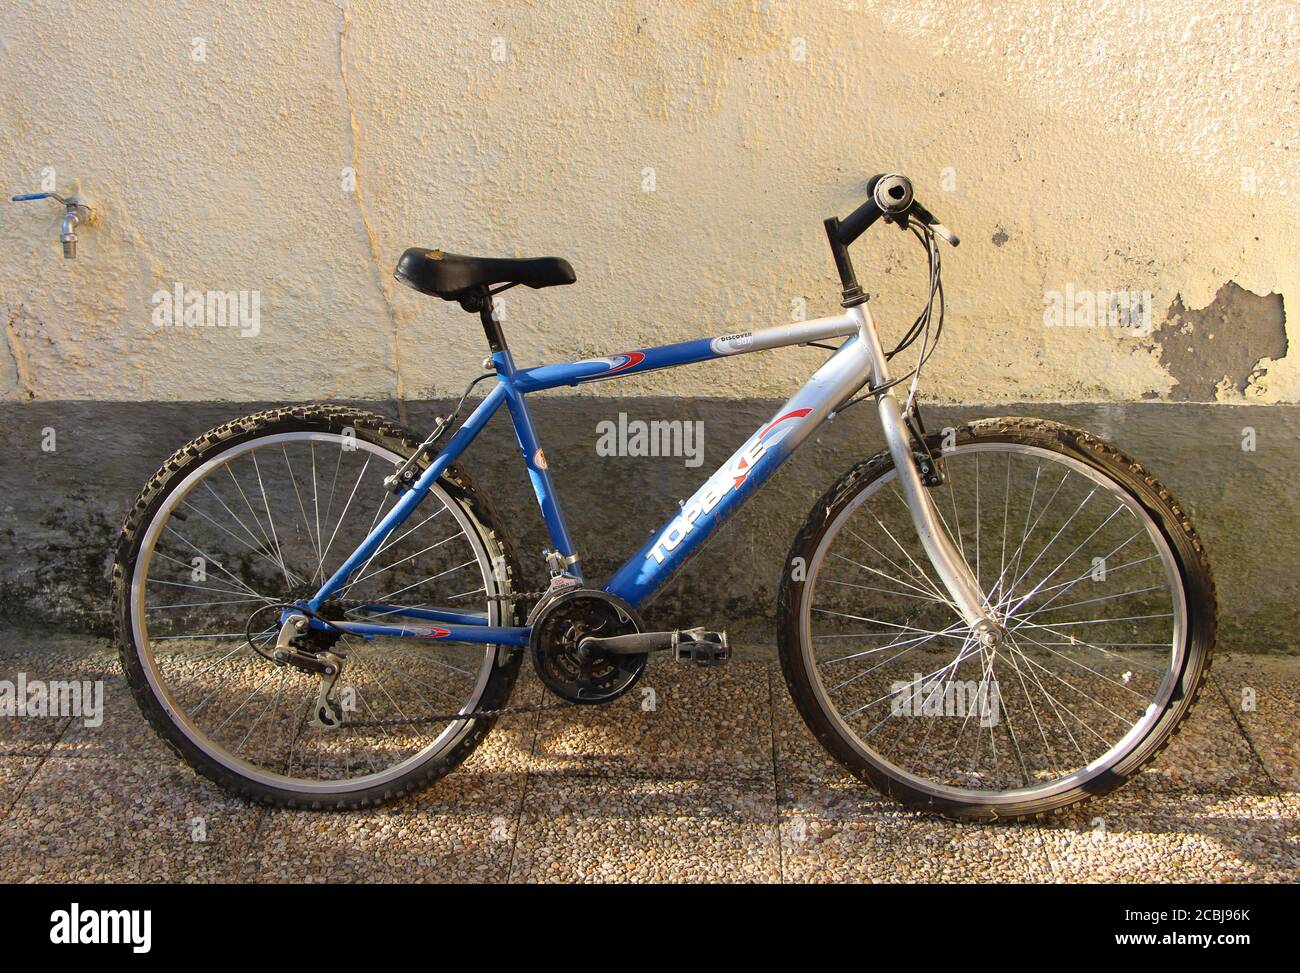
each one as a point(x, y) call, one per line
point(701, 647)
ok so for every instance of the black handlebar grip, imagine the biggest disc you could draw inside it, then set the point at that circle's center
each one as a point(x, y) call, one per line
point(893, 194)
point(860, 220)
point(898, 193)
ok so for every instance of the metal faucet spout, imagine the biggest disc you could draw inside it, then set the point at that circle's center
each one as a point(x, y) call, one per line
point(67, 229)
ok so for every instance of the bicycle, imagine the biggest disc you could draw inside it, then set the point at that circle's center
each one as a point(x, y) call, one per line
point(988, 622)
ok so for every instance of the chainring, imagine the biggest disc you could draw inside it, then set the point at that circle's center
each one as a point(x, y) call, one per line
point(574, 675)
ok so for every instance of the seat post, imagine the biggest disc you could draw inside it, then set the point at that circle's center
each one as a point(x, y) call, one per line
point(491, 326)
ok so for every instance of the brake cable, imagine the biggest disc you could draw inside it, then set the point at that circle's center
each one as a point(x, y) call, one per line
point(283, 606)
point(920, 328)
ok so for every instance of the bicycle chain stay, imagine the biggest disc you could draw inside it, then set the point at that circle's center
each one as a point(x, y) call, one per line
point(453, 717)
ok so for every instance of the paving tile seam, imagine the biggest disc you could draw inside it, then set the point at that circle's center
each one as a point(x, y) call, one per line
point(1250, 744)
point(776, 774)
point(523, 800)
point(25, 754)
point(42, 760)
point(44, 757)
point(749, 784)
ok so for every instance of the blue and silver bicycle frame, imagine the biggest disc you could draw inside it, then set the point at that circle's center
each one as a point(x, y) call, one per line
point(857, 360)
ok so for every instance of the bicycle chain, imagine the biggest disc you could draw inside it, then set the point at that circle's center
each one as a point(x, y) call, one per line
point(519, 595)
point(451, 717)
point(455, 717)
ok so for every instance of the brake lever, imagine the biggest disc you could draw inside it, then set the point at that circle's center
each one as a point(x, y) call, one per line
point(945, 234)
point(941, 231)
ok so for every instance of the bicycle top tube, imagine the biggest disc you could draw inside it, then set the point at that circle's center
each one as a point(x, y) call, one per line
point(747, 468)
point(683, 353)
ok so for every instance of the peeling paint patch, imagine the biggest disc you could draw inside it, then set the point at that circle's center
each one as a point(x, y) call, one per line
point(1218, 349)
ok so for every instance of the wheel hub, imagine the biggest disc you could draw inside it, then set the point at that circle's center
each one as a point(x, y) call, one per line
point(315, 639)
point(988, 633)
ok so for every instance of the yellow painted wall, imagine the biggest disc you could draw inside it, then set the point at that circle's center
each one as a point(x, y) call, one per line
point(1145, 146)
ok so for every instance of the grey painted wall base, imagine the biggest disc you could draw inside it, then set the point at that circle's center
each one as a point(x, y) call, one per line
point(60, 510)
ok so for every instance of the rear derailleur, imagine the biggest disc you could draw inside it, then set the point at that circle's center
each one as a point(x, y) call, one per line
point(311, 650)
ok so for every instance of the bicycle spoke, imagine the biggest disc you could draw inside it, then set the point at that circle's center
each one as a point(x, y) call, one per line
point(1063, 588)
point(255, 522)
point(389, 541)
point(302, 509)
point(888, 577)
point(347, 506)
point(1073, 673)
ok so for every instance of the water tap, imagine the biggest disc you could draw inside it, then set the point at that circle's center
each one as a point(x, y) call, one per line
point(74, 213)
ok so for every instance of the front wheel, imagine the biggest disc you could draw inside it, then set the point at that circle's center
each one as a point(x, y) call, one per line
point(1087, 561)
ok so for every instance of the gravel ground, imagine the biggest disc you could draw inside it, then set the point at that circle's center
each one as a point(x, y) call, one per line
point(710, 778)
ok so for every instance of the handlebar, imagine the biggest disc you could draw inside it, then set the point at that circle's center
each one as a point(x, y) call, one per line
point(890, 196)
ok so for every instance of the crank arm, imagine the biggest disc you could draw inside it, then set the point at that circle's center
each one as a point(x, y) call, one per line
point(688, 644)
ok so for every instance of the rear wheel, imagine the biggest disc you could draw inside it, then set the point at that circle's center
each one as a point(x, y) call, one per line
point(1092, 567)
point(259, 512)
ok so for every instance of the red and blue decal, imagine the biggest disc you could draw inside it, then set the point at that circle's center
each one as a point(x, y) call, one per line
point(795, 414)
point(742, 469)
point(724, 483)
point(617, 363)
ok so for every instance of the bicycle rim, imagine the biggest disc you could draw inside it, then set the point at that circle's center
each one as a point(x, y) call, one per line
point(267, 521)
point(1071, 564)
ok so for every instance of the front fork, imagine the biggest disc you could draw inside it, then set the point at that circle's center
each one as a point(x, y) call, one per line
point(956, 575)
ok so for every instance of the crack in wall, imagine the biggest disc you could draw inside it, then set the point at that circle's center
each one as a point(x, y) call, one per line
point(385, 287)
point(22, 371)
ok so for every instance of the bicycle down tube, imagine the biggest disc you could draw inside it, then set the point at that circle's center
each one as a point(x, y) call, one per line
point(859, 358)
